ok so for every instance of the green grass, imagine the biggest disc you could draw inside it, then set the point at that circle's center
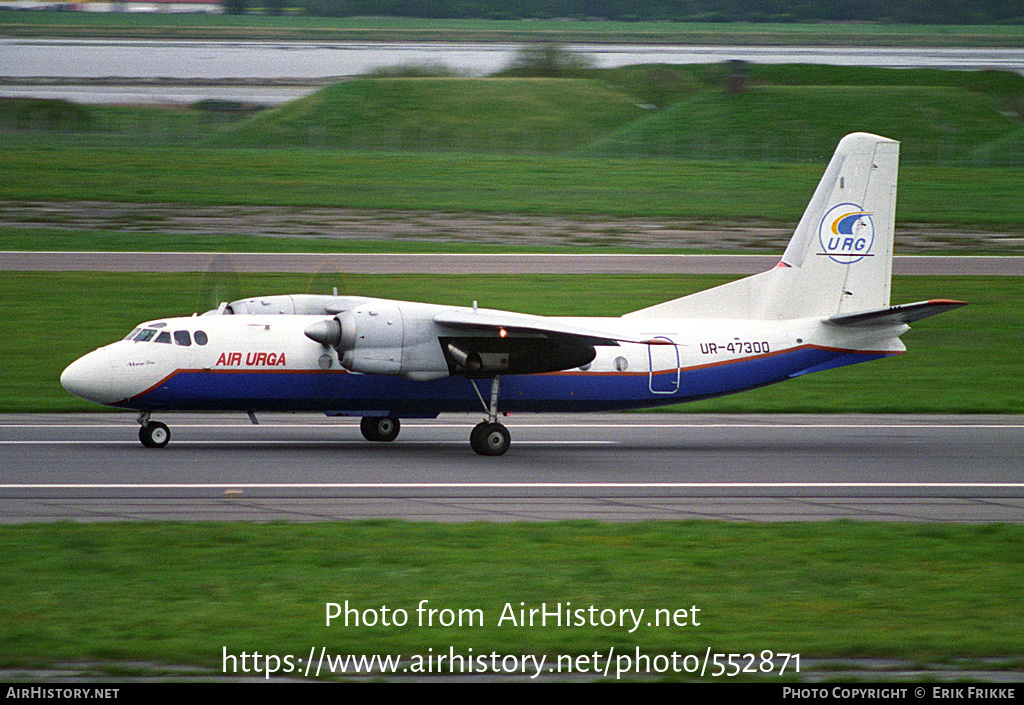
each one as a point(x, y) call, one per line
point(1005, 83)
point(118, 592)
point(487, 183)
point(966, 361)
point(150, 239)
point(49, 122)
point(793, 111)
point(786, 122)
point(501, 145)
point(790, 113)
point(83, 24)
point(445, 114)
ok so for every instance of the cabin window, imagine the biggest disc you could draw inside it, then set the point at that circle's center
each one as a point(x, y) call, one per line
point(145, 335)
point(164, 337)
point(181, 337)
point(200, 337)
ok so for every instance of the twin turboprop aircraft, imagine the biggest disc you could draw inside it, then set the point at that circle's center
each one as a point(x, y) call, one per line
point(825, 305)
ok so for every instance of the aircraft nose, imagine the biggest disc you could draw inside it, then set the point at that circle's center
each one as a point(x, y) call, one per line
point(89, 377)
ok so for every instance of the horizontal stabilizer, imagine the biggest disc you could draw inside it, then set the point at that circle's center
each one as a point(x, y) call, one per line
point(904, 313)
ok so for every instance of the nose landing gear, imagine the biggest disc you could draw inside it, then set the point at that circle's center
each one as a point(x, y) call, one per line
point(153, 434)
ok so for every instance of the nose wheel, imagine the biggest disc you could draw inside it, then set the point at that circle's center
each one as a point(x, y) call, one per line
point(153, 434)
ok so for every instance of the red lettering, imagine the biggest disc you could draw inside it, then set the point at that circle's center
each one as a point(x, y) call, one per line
point(222, 360)
point(253, 359)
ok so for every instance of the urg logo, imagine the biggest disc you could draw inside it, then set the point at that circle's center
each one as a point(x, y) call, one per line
point(846, 233)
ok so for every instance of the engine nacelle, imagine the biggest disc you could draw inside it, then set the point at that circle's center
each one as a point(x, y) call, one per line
point(288, 304)
point(379, 337)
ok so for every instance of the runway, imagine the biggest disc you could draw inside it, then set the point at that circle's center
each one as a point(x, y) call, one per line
point(607, 467)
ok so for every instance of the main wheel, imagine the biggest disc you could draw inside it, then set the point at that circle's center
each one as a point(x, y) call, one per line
point(154, 435)
point(489, 438)
point(380, 429)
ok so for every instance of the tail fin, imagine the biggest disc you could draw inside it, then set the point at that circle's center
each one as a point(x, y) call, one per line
point(840, 257)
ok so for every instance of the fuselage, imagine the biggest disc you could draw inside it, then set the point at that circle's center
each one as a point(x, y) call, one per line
point(266, 363)
point(826, 304)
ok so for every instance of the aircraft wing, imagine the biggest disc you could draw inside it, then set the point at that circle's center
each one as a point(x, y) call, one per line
point(487, 320)
point(904, 313)
point(488, 340)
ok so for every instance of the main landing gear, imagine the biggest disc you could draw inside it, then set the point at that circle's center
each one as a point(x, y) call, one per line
point(490, 437)
point(380, 429)
point(153, 434)
point(487, 438)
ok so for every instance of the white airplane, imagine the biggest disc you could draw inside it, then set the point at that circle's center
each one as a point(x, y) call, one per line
point(825, 305)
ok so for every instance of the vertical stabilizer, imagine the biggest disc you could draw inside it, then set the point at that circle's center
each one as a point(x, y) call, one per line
point(840, 257)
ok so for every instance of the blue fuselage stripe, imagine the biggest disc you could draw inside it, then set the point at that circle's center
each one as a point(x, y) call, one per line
point(338, 390)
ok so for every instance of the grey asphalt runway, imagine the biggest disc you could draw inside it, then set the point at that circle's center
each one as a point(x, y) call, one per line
point(621, 467)
point(369, 263)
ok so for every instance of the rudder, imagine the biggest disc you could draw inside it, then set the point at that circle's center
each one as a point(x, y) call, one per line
point(839, 259)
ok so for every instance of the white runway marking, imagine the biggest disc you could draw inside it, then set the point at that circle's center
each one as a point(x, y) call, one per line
point(516, 485)
point(303, 442)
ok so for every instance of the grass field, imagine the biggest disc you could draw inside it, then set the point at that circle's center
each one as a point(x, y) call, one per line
point(766, 192)
point(144, 25)
point(784, 113)
point(947, 123)
point(962, 362)
point(462, 115)
point(41, 239)
point(581, 145)
point(113, 593)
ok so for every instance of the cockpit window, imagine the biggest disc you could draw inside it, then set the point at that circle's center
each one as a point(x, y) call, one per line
point(200, 337)
point(132, 334)
point(164, 337)
point(181, 337)
point(145, 335)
